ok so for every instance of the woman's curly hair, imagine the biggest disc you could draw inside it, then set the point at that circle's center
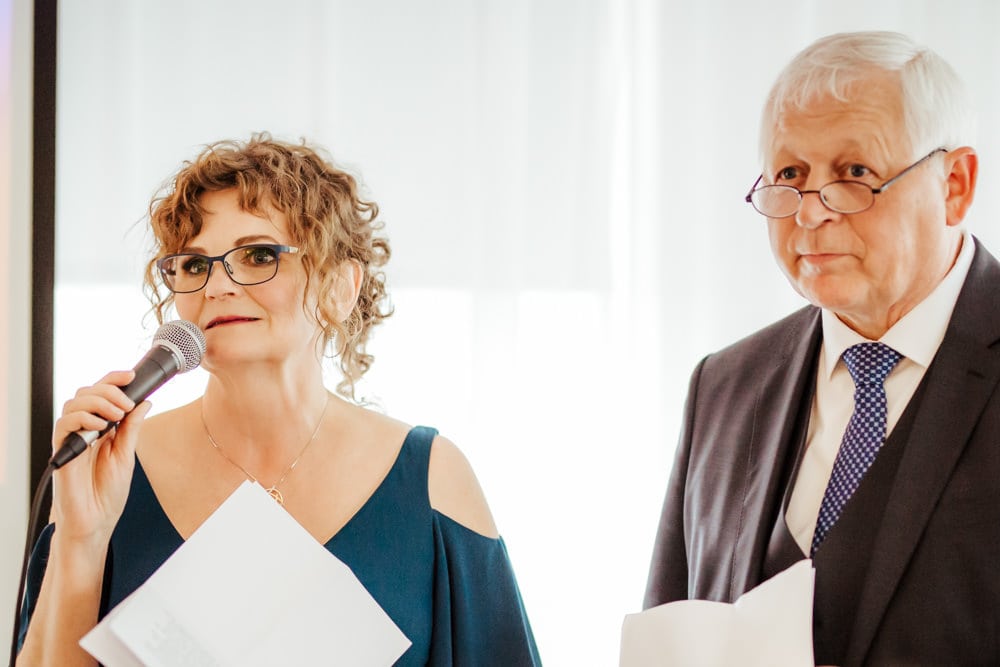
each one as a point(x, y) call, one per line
point(327, 219)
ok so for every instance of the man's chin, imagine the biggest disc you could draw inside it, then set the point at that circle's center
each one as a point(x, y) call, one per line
point(831, 293)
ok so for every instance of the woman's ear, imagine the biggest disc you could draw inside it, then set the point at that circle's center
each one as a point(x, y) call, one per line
point(347, 280)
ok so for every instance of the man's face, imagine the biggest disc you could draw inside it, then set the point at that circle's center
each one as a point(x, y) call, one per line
point(873, 267)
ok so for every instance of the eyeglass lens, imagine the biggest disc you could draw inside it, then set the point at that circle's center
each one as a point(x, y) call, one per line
point(779, 201)
point(246, 265)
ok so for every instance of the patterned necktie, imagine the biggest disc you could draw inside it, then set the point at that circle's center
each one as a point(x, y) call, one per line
point(869, 364)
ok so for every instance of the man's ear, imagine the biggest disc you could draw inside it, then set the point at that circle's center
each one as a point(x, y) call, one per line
point(962, 168)
point(347, 280)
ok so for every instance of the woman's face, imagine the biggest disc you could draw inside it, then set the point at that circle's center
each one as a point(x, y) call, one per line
point(264, 323)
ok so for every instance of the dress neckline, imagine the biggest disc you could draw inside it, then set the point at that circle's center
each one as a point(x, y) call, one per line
point(144, 480)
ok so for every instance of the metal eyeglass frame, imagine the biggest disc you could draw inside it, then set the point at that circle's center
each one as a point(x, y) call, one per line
point(875, 191)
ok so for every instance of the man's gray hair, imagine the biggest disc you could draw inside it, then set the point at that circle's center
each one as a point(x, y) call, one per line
point(936, 108)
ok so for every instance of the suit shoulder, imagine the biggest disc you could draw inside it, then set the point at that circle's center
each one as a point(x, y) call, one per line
point(778, 338)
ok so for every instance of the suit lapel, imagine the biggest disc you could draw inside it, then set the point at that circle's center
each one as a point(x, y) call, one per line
point(785, 389)
point(958, 383)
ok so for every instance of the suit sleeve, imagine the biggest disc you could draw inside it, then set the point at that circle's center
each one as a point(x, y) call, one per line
point(668, 572)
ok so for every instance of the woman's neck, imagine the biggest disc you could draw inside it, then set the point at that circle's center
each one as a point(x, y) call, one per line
point(263, 422)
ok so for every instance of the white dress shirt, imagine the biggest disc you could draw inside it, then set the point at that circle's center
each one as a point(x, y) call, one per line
point(917, 337)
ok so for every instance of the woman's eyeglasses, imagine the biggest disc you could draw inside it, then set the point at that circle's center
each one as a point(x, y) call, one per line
point(246, 265)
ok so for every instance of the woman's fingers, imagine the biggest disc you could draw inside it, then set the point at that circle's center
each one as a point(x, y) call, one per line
point(117, 378)
point(95, 407)
point(109, 388)
point(127, 433)
point(80, 421)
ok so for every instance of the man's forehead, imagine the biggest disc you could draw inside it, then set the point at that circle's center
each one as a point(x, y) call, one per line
point(863, 122)
point(868, 107)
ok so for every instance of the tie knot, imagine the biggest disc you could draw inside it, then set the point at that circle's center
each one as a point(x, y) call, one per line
point(870, 363)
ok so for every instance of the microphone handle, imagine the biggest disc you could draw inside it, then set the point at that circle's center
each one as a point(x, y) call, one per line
point(159, 365)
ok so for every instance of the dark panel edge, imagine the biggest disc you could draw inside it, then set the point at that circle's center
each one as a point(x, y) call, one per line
point(43, 214)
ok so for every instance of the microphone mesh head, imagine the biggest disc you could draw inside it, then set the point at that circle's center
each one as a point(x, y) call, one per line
point(185, 339)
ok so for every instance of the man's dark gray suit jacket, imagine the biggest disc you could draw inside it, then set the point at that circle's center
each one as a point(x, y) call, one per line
point(928, 583)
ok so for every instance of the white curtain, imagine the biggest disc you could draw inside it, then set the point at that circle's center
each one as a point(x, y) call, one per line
point(562, 182)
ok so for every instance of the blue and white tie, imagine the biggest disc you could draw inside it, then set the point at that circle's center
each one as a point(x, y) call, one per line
point(869, 364)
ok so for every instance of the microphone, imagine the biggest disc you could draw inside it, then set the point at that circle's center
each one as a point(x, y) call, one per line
point(177, 348)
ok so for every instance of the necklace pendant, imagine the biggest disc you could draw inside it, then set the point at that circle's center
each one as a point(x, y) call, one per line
point(276, 494)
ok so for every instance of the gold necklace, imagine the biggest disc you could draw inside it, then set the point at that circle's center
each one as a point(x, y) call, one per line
point(273, 489)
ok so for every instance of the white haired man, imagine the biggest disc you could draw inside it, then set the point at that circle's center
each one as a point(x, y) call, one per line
point(862, 431)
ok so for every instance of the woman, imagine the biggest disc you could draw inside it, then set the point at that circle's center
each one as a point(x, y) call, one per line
point(270, 250)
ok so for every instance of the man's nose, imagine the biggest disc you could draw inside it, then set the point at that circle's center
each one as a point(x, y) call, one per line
point(812, 211)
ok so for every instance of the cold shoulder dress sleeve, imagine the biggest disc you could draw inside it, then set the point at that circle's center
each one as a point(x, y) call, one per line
point(449, 589)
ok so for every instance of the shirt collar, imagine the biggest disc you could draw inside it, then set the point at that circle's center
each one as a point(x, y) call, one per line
point(918, 335)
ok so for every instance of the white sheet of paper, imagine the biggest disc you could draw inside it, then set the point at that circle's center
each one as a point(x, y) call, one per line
point(250, 587)
point(769, 625)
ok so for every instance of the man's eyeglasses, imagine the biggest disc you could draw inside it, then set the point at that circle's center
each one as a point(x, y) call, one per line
point(246, 265)
point(783, 201)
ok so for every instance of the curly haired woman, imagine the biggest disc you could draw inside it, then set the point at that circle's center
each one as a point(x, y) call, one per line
point(269, 249)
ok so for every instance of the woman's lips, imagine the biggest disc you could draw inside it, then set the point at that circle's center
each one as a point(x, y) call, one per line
point(220, 321)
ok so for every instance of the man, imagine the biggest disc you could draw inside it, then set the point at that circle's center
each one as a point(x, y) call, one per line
point(890, 482)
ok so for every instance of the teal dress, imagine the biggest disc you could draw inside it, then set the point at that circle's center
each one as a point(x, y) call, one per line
point(449, 589)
